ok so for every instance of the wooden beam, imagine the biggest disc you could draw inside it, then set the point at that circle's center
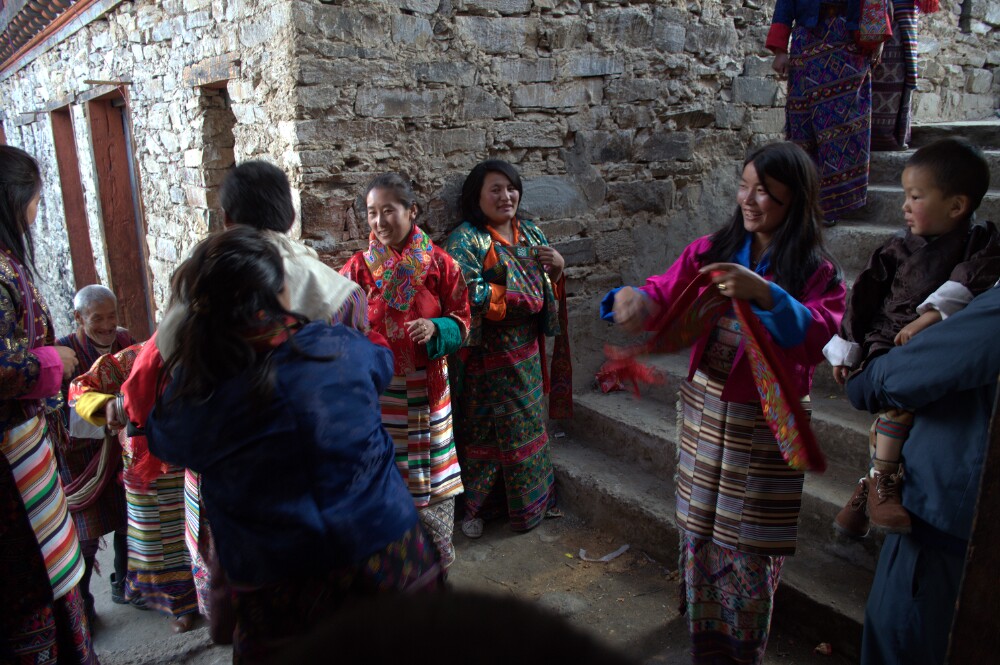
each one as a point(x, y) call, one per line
point(74, 207)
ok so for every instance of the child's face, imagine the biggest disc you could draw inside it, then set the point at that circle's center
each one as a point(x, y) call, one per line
point(927, 210)
point(389, 219)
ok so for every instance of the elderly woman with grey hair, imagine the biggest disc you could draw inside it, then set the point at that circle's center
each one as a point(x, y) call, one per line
point(91, 461)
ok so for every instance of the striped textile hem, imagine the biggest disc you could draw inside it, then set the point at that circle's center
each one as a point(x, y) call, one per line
point(33, 464)
point(422, 432)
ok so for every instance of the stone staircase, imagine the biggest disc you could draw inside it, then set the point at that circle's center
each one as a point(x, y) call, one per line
point(615, 460)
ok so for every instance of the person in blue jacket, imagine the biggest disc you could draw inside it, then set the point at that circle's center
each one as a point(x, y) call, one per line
point(281, 417)
point(947, 376)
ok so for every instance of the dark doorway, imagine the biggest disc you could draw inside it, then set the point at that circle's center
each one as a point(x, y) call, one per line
point(74, 208)
point(118, 193)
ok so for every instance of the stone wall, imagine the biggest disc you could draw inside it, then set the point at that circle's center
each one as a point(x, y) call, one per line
point(627, 119)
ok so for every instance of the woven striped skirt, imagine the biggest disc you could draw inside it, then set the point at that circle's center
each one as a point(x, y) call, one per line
point(828, 111)
point(893, 81)
point(159, 566)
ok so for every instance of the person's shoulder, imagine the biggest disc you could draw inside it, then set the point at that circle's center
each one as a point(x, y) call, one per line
point(466, 231)
point(66, 340)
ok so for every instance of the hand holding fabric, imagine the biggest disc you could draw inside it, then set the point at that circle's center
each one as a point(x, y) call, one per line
point(736, 281)
point(421, 330)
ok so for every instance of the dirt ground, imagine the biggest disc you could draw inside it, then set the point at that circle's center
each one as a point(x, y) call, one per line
point(629, 602)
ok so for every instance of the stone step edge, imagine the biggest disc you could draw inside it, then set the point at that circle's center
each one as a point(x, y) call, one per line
point(814, 606)
point(657, 419)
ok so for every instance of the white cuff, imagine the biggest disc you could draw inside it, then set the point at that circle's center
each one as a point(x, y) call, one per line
point(949, 298)
point(841, 353)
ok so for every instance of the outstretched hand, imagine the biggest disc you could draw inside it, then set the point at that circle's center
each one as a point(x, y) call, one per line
point(632, 309)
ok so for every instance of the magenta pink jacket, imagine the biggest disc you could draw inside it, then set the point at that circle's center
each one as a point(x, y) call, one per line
point(821, 303)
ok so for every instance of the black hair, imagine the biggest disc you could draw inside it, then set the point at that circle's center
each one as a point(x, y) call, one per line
point(796, 249)
point(257, 194)
point(957, 167)
point(400, 187)
point(230, 286)
point(20, 181)
point(468, 203)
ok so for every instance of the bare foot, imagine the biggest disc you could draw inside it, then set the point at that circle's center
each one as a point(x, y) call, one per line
point(183, 623)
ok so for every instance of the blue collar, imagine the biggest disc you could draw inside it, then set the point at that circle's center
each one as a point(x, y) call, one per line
point(742, 256)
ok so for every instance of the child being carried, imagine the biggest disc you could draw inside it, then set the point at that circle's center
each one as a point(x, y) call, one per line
point(944, 259)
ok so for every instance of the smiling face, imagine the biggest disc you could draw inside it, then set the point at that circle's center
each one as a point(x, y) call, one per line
point(99, 322)
point(764, 203)
point(498, 199)
point(926, 208)
point(389, 219)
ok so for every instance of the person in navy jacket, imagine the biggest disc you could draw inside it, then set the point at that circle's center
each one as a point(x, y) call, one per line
point(947, 377)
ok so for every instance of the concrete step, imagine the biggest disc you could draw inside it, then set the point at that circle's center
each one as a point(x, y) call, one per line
point(983, 133)
point(884, 207)
point(887, 167)
point(821, 596)
point(643, 434)
point(853, 242)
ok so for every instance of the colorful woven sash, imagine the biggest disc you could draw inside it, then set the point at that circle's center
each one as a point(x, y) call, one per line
point(33, 464)
point(692, 316)
point(399, 274)
point(874, 26)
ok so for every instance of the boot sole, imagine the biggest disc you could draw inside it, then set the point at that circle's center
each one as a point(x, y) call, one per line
point(850, 534)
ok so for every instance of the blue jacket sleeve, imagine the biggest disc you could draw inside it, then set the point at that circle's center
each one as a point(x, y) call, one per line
point(788, 321)
point(957, 354)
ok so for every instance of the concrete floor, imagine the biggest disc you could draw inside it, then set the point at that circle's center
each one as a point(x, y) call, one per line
point(629, 602)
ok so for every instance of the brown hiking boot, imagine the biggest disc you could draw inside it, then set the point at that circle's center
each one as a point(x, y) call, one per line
point(885, 506)
point(852, 520)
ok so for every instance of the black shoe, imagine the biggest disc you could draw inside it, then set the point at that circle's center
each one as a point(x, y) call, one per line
point(829, 222)
point(118, 590)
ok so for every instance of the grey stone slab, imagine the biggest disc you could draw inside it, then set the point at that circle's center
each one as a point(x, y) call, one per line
point(497, 35)
point(711, 37)
point(552, 197)
point(398, 102)
point(480, 104)
point(456, 73)
point(576, 251)
point(504, 7)
point(521, 134)
point(628, 90)
point(603, 146)
point(592, 64)
point(624, 26)
point(572, 93)
point(755, 91)
point(666, 146)
point(523, 70)
point(412, 30)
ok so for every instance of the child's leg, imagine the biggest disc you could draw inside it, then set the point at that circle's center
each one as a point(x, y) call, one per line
point(891, 430)
point(885, 505)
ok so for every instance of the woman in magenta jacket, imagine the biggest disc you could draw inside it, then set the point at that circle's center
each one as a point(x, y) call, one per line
point(737, 499)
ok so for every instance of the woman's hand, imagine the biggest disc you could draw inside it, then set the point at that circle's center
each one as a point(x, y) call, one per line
point(780, 64)
point(111, 414)
point(551, 260)
point(69, 361)
point(632, 309)
point(421, 330)
point(735, 281)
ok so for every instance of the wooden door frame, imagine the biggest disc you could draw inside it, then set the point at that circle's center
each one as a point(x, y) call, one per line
point(123, 221)
point(74, 205)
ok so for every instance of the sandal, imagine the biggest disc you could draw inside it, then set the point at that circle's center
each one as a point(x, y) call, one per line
point(472, 527)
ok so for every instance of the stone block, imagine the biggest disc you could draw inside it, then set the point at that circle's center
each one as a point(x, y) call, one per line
point(420, 6)
point(212, 70)
point(529, 134)
point(600, 147)
point(728, 116)
point(412, 30)
point(522, 70)
point(398, 102)
point(979, 81)
point(552, 197)
point(655, 197)
point(592, 64)
point(756, 66)
point(198, 19)
point(497, 35)
point(345, 25)
point(628, 90)
point(562, 34)
point(767, 121)
point(479, 104)
point(456, 73)
point(319, 96)
point(541, 95)
point(195, 5)
point(623, 26)
point(669, 35)
point(717, 38)
point(666, 146)
point(615, 245)
point(576, 251)
point(263, 30)
point(193, 158)
point(504, 7)
point(755, 91)
point(450, 141)
point(326, 132)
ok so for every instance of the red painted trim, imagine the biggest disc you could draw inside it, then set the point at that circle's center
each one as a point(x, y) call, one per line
point(68, 15)
point(74, 206)
point(127, 272)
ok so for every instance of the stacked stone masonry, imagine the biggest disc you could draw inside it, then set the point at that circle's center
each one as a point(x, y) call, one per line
point(627, 119)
